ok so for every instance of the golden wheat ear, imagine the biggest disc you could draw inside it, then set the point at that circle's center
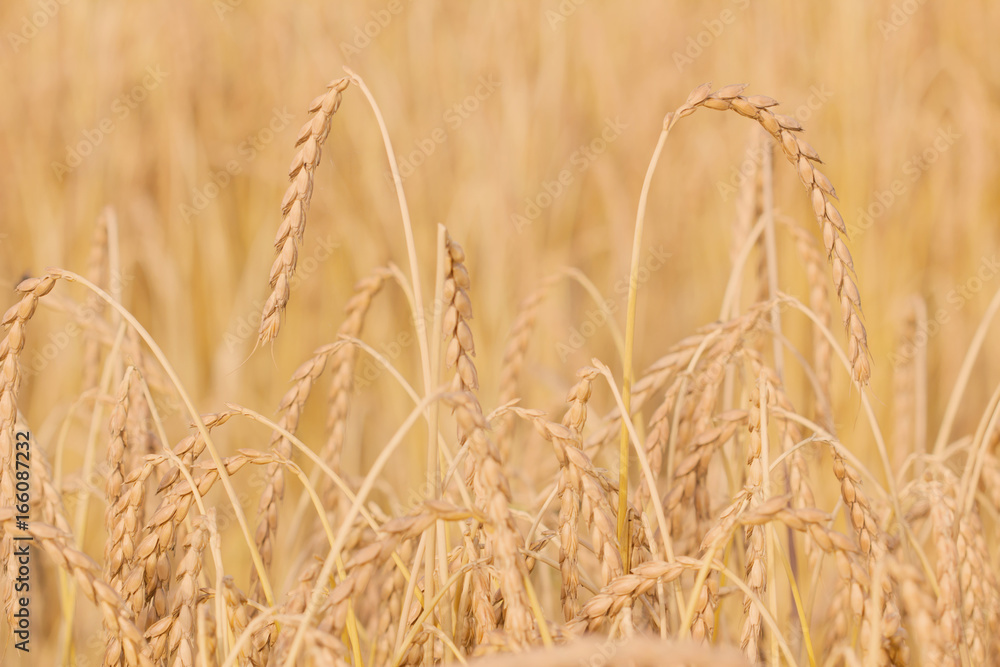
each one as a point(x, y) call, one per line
point(785, 131)
point(294, 206)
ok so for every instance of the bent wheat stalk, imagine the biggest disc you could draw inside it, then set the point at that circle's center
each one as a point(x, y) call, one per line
point(821, 192)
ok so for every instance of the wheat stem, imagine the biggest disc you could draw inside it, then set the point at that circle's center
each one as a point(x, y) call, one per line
point(633, 290)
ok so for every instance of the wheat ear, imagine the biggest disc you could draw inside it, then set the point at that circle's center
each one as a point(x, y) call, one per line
point(804, 158)
point(295, 205)
point(128, 641)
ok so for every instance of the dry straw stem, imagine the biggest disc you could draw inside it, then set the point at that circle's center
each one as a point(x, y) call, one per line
point(905, 390)
point(986, 432)
point(890, 473)
point(295, 205)
point(90, 448)
point(658, 512)
point(770, 255)
point(419, 314)
point(964, 375)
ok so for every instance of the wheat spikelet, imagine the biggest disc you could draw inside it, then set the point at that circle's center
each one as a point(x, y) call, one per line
point(697, 438)
point(493, 493)
point(461, 346)
point(590, 484)
point(240, 613)
point(295, 205)
point(390, 607)
point(53, 511)
point(918, 605)
point(342, 367)
point(640, 651)
point(578, 479)
point(15, 320)
point(797, 470)
point(949, 602)
point(570, 483)
point(804, 158)
point(623, 589)
point(980, 595)
point(478, 603)
point(116, 465)
point(173, 635)
point(755, 570)
point(290, 410)
point(148, 580)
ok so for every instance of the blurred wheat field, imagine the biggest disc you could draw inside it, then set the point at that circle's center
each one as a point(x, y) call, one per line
point(198, 435)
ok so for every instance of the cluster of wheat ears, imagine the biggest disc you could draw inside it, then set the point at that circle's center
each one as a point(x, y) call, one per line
point(698, 540)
